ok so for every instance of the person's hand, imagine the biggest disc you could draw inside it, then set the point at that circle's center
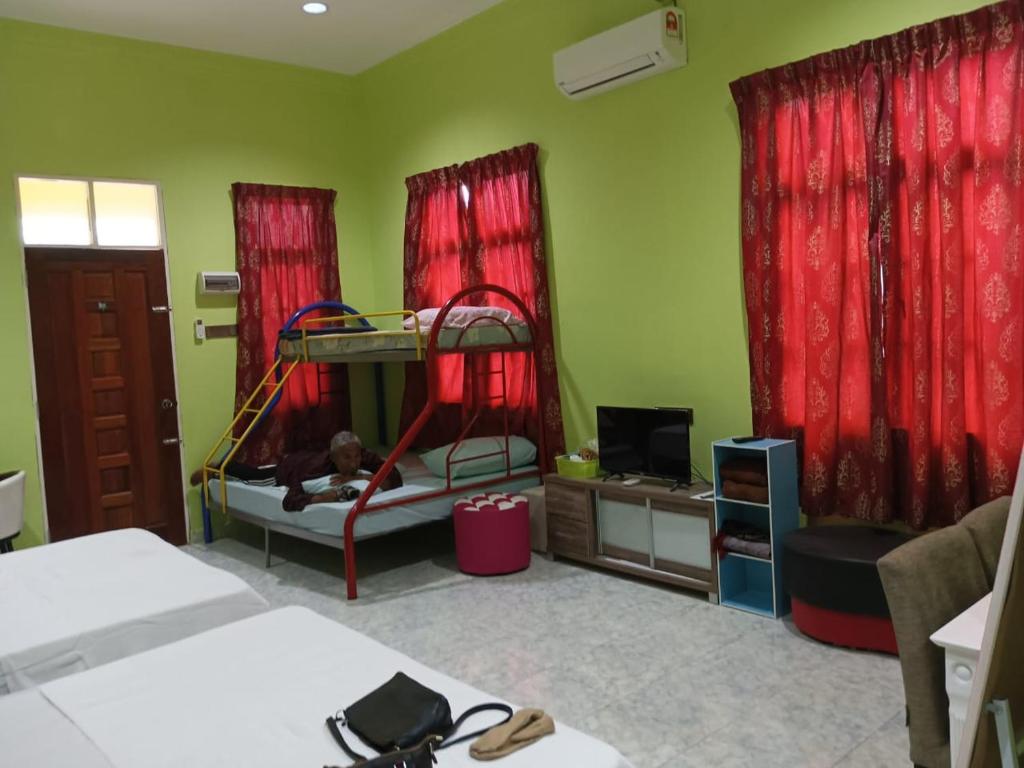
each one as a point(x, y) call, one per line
point(339, 480)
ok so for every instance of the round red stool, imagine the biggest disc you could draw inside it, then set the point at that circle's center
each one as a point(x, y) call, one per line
point(831, 575)
point(492, 534)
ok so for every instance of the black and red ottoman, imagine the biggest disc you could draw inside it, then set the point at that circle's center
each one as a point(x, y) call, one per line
point(831, 575)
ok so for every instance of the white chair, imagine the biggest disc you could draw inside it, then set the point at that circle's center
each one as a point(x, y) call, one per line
point(12, 508)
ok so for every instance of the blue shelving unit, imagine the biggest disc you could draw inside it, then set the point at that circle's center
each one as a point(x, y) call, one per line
point(752, 583)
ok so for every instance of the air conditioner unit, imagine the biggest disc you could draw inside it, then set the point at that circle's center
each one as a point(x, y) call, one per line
point(646, 46)
point(219, 282)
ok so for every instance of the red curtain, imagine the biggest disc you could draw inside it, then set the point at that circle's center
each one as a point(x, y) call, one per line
point(482, 222)
point(881, 226)
point(287, 256)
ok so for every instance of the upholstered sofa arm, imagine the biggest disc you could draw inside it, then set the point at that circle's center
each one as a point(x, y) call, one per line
point(928, 582)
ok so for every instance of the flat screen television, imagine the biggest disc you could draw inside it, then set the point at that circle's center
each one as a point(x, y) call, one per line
point(645, 441)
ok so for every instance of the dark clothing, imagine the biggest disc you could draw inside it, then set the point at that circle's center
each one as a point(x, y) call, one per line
point(308, 465)
point(248, 473)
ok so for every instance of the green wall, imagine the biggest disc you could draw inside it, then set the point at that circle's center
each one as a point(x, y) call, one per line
point(74, 104)
point(641, 184)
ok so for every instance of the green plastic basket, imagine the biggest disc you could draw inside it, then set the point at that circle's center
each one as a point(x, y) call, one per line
point(568, 468)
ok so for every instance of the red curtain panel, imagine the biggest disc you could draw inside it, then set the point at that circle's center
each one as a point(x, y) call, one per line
point(435, 269)
point(881, 229)
point(482, 222)
point(287, 256)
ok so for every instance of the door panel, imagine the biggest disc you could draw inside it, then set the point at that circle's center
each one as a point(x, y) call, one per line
point(103, 368)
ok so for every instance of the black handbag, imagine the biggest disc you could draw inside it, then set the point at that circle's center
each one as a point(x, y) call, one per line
point(406, 722)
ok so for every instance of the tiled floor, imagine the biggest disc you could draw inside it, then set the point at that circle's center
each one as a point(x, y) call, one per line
point(670, 680)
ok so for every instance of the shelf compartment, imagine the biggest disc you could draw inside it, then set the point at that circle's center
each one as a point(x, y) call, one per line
point(752, 601)
point(745, 556)
point(746, 583)
point(727, 500)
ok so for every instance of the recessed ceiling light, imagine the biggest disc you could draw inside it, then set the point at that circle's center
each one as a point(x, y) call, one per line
point(314, 9)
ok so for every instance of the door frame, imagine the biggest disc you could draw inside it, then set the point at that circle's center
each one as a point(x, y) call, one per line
point(28, 328)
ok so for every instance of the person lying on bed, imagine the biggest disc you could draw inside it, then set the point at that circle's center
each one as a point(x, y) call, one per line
point(343, 461)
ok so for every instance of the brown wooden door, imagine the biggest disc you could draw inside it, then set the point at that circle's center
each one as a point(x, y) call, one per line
point(105, 384)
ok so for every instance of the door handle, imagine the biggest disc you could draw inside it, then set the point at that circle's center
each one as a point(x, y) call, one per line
point(166, 404)
point(171, 440)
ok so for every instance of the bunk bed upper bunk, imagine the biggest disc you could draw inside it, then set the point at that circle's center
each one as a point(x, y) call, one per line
point(350, 338)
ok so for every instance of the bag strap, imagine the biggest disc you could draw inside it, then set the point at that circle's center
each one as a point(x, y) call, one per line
point(332, 726)
point(449, 741)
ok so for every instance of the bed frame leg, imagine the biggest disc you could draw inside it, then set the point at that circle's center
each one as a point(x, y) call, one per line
point(266, 546)
point(350, 567)
point(207, 522)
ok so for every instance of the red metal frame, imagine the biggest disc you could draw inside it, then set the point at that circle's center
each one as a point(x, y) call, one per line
point(433, 353)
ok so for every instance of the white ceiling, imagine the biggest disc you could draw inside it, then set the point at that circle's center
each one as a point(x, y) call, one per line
point(352, 36)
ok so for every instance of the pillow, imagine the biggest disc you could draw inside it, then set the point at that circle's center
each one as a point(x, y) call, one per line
point(317, 485)
point(460, 317)
point(521, 452)
point(323, 484)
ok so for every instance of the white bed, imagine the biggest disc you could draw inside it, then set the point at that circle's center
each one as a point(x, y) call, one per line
point(83, 602)
point(254, 693)
point(264, 502)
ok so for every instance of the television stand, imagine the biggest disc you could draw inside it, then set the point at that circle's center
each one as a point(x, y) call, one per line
point(612, 476)
point(677, 485)
point(644, 530)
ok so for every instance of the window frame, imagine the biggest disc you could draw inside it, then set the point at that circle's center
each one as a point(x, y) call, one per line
point(90, 180)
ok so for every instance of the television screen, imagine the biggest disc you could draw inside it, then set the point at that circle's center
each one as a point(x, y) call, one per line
point(645, 441)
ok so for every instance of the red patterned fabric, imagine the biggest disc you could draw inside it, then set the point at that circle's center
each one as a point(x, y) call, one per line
point(287, 256)
point(482, 222)
point(881, 223)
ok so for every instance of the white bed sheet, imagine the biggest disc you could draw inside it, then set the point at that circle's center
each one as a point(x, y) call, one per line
point(83, 602)
point(34, 734)
point(256, 694)
point(329, 519)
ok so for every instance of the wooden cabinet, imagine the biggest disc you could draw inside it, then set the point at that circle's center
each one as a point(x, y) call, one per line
point(570, 520)
point(644, 530)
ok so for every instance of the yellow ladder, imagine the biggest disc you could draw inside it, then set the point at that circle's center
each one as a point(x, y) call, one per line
point(228, 439)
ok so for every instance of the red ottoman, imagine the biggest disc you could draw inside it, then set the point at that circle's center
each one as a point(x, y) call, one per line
point(492, 534)
point(831, 575)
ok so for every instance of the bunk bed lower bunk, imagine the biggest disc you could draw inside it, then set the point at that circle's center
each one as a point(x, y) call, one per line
point(324, 523)
point(484, 336)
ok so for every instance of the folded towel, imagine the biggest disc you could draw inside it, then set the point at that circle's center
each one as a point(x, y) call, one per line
point(738, 536)
point(525, 727)
point(750, 471)
point(744, 492)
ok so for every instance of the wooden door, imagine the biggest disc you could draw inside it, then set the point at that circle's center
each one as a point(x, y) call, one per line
point(105, 385)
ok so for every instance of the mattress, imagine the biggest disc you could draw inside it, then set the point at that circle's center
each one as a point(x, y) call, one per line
point(397, 345)
point(253, 693)
point(329, 519)
point(83, 602)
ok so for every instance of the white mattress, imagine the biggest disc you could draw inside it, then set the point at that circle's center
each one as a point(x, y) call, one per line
point(390, 345)
point(329, 519)
point(254, 693)
point(83, 602)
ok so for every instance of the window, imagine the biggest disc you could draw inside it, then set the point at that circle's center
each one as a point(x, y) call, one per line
point(82, 212)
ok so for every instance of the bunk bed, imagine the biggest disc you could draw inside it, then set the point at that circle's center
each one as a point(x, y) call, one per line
point(484, 342)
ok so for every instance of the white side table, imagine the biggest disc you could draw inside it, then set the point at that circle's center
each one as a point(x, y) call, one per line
point(961, 640)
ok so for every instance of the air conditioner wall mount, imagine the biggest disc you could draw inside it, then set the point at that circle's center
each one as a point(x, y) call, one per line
point(641, 48)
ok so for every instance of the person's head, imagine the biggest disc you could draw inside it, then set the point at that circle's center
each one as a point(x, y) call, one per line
point(346, 452)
